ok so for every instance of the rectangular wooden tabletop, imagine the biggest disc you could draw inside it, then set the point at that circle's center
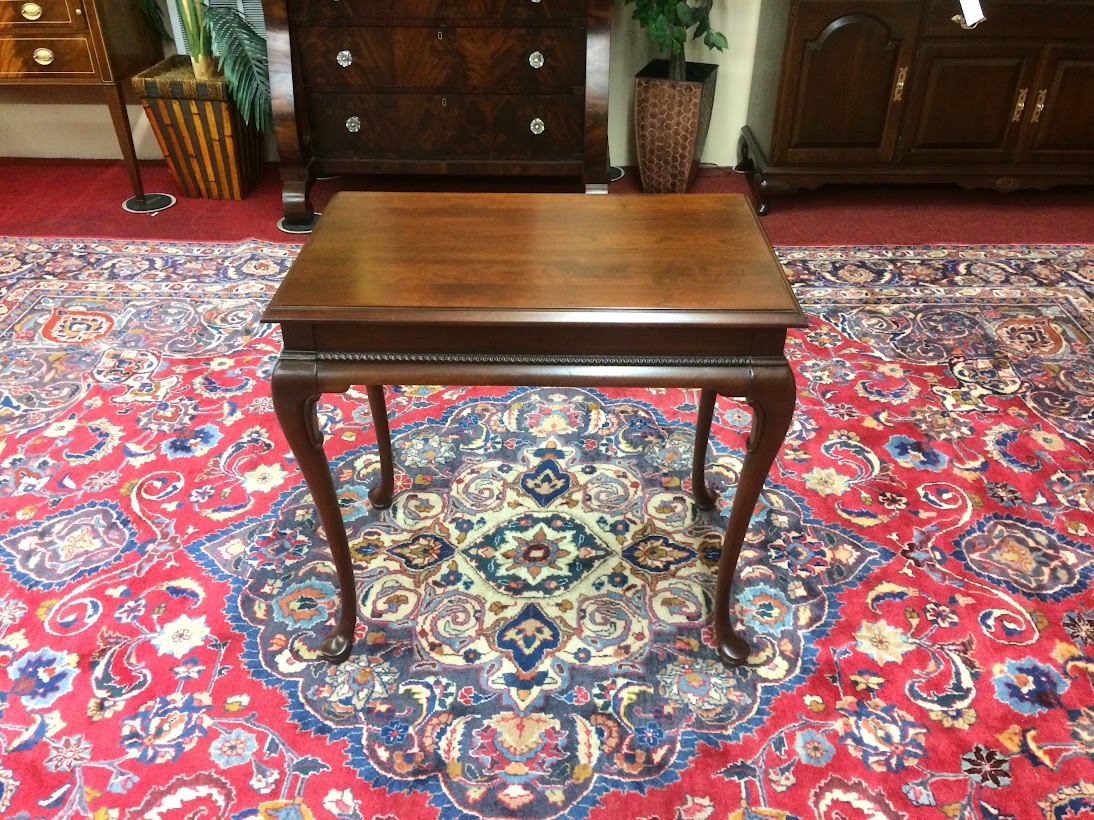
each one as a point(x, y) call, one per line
point(381, 256)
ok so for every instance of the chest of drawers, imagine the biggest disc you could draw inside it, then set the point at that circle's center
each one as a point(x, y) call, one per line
point(77, 50)
point(476, 87)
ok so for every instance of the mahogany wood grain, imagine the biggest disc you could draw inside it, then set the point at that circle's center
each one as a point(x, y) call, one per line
point(78, 51)
point(536, 289)
point(443, 58)
point(876, 91)
point(438, 87)
point(446, 11)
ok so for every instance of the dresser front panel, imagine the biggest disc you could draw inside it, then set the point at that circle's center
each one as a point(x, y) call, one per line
point(482, 127)
point(517, 12)
point(398, 58)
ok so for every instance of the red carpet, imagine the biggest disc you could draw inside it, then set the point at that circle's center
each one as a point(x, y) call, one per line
point(916, 584)
point(55, 198)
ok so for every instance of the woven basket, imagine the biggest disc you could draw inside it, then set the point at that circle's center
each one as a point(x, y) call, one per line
point(209, 150)
point(671, 119)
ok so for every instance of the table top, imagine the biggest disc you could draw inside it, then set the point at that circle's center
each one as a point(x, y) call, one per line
point(382, 256)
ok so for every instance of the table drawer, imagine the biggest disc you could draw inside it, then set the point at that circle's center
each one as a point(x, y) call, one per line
point(533, 12)
point(19, 13)
point(46, 57)
point(447, 127)
point(397, 58)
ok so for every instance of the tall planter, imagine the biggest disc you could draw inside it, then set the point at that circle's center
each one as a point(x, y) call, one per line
point(671, 119)
point(210, 151)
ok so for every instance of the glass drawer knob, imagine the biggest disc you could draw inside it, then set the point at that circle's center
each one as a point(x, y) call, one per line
point(344, 58)
point(353, 125)
point(535, 59)
point(537, 127)
point(43, 56)
point(31, 11)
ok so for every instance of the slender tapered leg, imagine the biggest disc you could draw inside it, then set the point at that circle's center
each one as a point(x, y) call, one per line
point(381, 494)
point(771, 395)
point(295, 392)
point(704, 499)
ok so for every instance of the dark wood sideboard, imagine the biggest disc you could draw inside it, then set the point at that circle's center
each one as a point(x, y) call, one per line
point(440, 87)
point(903, 91)
point(60, 51)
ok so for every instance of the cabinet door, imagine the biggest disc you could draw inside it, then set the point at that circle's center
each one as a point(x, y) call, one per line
point(844, 82)
point(968, 101)
point(1060, 112)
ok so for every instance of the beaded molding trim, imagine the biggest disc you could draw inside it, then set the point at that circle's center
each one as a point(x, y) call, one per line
point(536, 359)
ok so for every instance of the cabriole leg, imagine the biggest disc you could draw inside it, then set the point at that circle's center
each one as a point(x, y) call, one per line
point(771, 395)
point(295, 393)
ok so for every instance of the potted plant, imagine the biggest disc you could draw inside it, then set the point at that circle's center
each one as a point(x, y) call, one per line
point(207, 109)
point(673, 98)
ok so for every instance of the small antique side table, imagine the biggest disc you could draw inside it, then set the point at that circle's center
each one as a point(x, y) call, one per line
point(543, 290)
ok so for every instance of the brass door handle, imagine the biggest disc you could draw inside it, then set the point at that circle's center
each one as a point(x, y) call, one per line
point(1019, 105)
point(1039, 106)
point(960, 20)
point(901, 78)
point(31, 11)
point(43, 56)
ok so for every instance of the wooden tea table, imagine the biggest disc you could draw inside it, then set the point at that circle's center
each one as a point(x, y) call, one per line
point(535, 289)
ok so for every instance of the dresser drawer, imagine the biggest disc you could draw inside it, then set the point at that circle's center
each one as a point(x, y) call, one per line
point(18, 13)
point(527, 12)
point(446, 127)
point(397, 58)
point(46, 57)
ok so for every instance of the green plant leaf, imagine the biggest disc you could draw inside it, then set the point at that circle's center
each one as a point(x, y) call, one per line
point(667, 24)
point(245, 63)
point(193, 26)
point(715, 39)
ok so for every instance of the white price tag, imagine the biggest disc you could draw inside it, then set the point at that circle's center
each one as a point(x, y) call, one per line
point(972, 11)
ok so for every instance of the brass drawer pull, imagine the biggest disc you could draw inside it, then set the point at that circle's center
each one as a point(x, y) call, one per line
point(1039, 106)
point(901, 78)
point(960, 20)
point(536, 126)
point(1019, 106)
point(43, 56)
point(344, 58)
point(535, 59)
point(31, 11)
point(353, 125)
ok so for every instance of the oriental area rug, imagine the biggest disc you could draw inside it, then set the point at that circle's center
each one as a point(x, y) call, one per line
point(532, 639)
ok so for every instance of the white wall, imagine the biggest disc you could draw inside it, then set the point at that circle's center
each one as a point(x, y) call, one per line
point(85, 131)
point(76, 131)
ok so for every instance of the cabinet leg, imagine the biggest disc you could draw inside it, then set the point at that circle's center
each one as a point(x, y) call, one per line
point(771, 394)
point(300, 217)
point(140, 202)
point(295, 392)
